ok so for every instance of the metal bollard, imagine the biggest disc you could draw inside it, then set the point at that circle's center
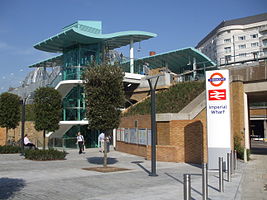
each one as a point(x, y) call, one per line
point(235, 153)
point(204, 181)
point(221, 186)
point(232, 162)
point(187, 187)
point(228, 167)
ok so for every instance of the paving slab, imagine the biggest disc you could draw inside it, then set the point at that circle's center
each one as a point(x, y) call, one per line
point(24, 179)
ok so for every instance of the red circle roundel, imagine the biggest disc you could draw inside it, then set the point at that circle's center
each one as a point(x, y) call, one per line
point(220, 79)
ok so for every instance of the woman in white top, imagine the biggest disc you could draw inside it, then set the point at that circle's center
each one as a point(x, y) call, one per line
point(80, 142)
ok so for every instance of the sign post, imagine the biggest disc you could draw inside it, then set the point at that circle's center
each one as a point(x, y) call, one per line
point(218, 116)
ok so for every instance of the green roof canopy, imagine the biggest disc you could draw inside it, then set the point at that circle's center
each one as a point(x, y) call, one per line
point(176, 60)
point(90, 32)
point(50, 62)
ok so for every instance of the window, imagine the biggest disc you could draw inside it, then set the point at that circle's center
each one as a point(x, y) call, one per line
point(227, 58)
point(242, 55)
point(255, 54)
point(254, 44)
point(227, 49)
point(254, 36)
point(241, 37)
point(242, 46)
point(227, 40)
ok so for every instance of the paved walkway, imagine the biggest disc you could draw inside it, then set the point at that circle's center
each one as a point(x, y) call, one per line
point(254, 180)
point(30, 180)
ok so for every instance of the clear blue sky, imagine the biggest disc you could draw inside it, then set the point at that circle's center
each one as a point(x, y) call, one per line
point(178, 24)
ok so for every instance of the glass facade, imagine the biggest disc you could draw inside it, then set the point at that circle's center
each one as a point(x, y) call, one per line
point(70, 138)
point(77, 58)
point(74, 105)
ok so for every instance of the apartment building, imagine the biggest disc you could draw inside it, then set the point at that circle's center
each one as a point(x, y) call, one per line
point(237, 40)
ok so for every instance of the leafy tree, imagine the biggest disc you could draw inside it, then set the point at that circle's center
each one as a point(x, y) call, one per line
point(29, 112)
point(9, 111)
point(47, 110)
point(104, 96)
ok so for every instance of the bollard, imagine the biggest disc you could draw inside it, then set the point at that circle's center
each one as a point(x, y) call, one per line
point(187, 187)
point(232, 162)
point(221, 186)
point(204, 181)
point(235, 153)
point(245, 155)
point(228, 168)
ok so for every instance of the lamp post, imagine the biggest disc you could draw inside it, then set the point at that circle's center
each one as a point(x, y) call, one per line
point(23, 101)
point(153, 122)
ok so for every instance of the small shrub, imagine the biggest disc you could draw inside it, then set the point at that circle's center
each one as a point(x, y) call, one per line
point(240, 149)
point(8, 149)
point(50, 154)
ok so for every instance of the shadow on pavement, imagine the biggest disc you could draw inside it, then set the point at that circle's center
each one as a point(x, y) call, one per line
point(259, 147)
point(183, 183)
point(9, 187)
point(141, 166)
point(99, 160)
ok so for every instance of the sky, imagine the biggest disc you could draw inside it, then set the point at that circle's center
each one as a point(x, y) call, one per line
point(177, 23)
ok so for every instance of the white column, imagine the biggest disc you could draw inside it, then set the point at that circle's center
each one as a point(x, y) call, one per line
point(265, 130)
point(194, 68)
point(131, 56)
point(246, 121)
point(114, 138)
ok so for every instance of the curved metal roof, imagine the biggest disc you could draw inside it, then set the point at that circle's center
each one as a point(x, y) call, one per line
point(49, 62)
point(84, 34)
point(178, 61)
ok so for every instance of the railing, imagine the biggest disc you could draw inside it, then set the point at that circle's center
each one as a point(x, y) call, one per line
point(134, 136)
point(55, 81)
point(243, 58)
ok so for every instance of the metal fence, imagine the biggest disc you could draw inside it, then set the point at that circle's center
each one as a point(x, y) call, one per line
point(134, 135)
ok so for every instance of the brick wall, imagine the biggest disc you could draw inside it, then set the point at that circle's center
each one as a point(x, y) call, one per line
point(167, 153)
point(143, 121)
point(35, 137)
point(2, 136)
point(259, 111)
point(237, 111)
point(139, 150)
point(163, 133)
point(186, 140)
point(175, 139)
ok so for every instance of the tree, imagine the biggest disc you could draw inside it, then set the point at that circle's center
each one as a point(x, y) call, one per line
point(9, 111)
point(104, 96)
point(47, 110)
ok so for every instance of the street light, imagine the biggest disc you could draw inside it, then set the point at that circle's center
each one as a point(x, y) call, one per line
point(23, 103)
point(153, 121)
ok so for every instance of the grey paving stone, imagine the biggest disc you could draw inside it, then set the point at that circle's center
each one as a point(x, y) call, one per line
point(24, 179)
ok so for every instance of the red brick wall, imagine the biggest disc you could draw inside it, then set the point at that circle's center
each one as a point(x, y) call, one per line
point(139, 150)
point(166, 153)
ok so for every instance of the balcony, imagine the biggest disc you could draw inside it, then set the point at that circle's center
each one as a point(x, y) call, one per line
point(263, 28)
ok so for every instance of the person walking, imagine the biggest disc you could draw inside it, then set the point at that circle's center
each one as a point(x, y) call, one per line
point(80, 142)
point(101, 140)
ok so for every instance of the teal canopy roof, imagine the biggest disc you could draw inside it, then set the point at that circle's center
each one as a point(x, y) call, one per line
point(177, 60)
point(90, 32)
point(50, 62)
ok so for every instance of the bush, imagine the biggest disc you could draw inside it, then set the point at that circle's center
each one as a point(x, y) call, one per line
point(50, 154)
point(240, 149)
point(9, 149)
